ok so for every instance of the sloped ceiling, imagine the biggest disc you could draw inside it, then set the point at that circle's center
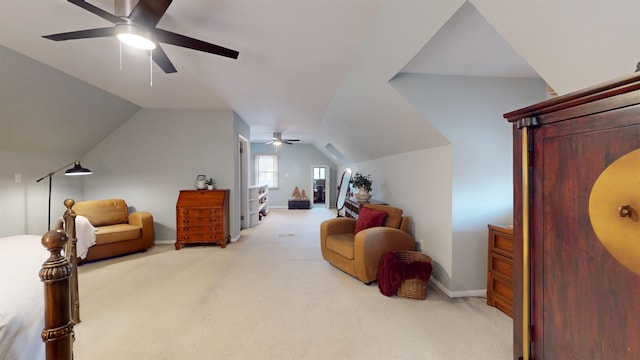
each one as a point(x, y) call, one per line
point(31, 102)
point(318, 70)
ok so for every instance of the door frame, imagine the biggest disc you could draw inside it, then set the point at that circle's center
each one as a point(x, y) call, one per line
point(327, 185)
point(243, 180)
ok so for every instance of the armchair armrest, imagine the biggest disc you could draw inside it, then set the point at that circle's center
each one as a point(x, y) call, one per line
point(337, 226)
point(144, 220)
point(371, 244)
point(332, 227)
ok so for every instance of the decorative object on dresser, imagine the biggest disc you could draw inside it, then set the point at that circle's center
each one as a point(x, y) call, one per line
point(202, 217)
point(201, 182)
point(500, 269)
point(258, 203)
point(574, 297)
point(363, 184)
point(211, 184)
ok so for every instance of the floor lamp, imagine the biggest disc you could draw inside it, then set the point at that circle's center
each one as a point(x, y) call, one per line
point(77, 169)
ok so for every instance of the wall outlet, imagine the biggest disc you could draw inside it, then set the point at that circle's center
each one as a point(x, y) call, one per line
point(419, 244)
point(18, 178)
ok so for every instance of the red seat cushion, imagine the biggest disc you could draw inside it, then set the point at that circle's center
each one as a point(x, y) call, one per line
point(369, 218)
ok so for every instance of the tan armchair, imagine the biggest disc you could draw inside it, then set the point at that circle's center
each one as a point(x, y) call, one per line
point(118, 232)
point(359, 255)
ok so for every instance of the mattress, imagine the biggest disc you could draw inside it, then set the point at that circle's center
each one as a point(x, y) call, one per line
point(21, 298)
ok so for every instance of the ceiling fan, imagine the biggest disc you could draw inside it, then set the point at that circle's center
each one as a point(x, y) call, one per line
point(277, 140)
point(137, 20)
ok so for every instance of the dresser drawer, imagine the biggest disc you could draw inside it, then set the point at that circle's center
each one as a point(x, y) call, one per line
point(501, 295)
point(196, 212)
point(198, 221)
point(194, 237)
point(189, 229)
point(501, 241)
point(500, 264)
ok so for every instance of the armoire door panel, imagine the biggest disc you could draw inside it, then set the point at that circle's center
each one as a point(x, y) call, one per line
point(585, 305)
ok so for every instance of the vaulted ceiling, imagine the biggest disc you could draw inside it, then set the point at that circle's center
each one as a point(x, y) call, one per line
point(319, 70)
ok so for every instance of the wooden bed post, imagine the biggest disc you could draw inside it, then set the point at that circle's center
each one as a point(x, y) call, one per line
point(55, 273)
point(72, 255)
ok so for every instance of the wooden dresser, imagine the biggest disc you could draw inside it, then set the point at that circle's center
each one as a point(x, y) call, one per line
point(202, 216)
point(352, 206)
point(500, 269)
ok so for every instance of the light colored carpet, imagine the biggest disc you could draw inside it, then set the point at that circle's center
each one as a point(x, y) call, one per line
point(270, 296)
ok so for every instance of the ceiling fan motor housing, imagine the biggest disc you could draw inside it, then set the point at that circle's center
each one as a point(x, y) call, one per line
point(124, 7)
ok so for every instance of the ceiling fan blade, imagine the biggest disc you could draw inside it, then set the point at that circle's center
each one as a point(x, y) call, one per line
point(195, 44)
point(96, 10)
point(293, 140)
point(149, 12)
point(161, 58)
point(82, 34)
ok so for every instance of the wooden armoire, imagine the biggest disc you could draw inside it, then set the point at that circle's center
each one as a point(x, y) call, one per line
point(576, 224)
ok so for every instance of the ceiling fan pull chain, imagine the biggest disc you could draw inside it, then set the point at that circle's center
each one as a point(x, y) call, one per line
point(120, 46)
point(150, 68)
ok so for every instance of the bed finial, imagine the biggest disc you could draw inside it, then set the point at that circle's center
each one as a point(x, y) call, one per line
point(69, 203)
point(55, 273)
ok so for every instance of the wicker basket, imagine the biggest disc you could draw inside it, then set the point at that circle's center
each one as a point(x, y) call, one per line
point(412, 288)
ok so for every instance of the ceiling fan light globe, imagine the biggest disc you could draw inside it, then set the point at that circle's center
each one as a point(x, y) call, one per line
point(135, 37)
point(277, 142)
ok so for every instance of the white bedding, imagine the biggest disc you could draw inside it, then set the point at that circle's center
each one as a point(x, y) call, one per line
point(86, 236)
point(21, 297)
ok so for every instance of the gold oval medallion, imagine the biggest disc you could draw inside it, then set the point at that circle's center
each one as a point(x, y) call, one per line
point(614, 206)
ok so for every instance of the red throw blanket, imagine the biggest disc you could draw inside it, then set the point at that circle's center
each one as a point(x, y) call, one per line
point(391, 272)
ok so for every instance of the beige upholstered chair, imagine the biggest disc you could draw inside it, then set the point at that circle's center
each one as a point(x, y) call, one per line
point(359, 255)
point(118, 231)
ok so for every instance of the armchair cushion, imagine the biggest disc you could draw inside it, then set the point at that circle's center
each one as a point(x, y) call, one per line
point(103, 212)
point(368, 218)
point(394, 214)
point(341, 244)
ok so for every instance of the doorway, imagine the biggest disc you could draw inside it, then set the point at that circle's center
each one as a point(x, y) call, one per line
point(243, 179)
point(321, 185)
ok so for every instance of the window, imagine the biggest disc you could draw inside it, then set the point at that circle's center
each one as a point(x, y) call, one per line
point(318, 173)
point(267, 170)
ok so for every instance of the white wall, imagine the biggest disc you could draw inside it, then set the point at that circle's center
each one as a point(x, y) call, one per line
point(294, 167)
point(24, 205)
point(419, 183)
point(468, 112)
point(157, 153)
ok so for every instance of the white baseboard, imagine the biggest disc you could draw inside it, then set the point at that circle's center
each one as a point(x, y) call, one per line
point(164, 242)
point(171, 242)
point(456, 294)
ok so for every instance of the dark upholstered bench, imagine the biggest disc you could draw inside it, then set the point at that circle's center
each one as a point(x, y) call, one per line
point(299, 204)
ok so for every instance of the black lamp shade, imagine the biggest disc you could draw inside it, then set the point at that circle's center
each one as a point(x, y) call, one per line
point(77, 169)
